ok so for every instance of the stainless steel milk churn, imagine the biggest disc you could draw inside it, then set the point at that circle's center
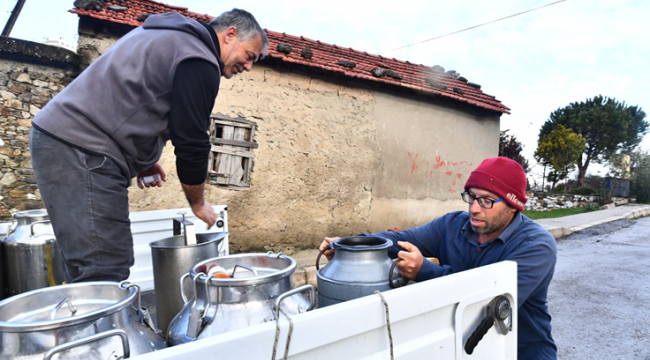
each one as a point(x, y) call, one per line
point(360, 267)
point(88, 320)
point(256, 288)
point(31, 258)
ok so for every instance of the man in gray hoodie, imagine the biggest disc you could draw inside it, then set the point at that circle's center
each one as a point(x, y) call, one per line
point(157, 83)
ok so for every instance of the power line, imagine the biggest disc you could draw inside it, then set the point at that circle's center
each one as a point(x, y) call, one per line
point(473, 27)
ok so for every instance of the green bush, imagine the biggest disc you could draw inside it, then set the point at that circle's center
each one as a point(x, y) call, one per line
point(584, 190)
point(559, 188)
point(641, 188)
point(603, 195)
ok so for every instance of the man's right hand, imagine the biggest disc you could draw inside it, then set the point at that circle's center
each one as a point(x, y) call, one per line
point(329, 254)
point(206, 213)
point(201, 208)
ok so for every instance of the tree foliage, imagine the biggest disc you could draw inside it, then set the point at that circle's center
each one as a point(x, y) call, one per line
point(511, 148)
point(640, 169)
point(560, 148)
point(608, 126)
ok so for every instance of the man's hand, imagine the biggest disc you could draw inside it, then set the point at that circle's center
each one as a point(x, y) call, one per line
point(206, 213)
point(329, 254)
point(155, 169)
point(410, 260)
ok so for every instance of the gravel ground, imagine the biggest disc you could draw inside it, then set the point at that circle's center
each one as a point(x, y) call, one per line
point(599, 298)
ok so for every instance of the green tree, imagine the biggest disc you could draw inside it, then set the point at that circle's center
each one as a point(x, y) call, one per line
point(554, 177)
point(511, 148)
point(560, 149)
point(640, 169)
point(608, 126)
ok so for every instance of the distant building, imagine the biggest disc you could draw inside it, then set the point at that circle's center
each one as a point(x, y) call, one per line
point(60, 42)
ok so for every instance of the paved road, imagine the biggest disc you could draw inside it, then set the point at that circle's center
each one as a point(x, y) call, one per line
point(600, 295)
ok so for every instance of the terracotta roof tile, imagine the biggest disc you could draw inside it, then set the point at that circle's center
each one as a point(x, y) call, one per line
point(325, 56)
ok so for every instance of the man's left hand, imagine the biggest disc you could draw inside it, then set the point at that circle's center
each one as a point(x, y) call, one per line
point(410, 260)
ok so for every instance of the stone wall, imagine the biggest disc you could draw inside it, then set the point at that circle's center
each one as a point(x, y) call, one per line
point(544, 201)
point(30, 75)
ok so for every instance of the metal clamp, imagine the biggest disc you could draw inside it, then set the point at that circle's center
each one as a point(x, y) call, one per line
point(126, 285)
point(312, 298)
point(89, 339)
point(182, 283)
point(31, 227)
point(245, 267)
point(207, 297)
point(277, 256)
point(195, 321)
point(72, 309)
point(189, 232)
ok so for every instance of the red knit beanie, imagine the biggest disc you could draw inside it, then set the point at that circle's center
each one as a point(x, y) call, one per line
point(502, 176)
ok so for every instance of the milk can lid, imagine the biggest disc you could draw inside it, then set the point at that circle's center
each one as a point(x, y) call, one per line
point(64, 305)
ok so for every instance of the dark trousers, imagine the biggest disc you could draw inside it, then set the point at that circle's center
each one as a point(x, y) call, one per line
point(86, 198)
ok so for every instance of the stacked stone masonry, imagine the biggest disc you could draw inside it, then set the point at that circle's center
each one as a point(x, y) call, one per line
point(24, 89)
point(543, 201)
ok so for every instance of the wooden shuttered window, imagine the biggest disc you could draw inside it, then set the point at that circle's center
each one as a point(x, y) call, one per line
point(231, 155)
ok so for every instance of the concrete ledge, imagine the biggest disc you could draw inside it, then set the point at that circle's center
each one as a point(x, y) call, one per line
point(558, 232)
point(32, 52)
point(306, 275)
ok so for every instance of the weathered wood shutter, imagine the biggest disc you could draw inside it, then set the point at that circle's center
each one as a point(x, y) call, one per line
point(231, 155)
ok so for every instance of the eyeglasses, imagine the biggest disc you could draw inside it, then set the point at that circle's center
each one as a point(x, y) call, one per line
point(482, 201)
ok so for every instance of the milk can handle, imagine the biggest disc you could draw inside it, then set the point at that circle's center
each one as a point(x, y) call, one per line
point(89, 339)
point(400, 281)
point(320, 253)
point(31, 227)
point(312, 298)
point(182, 282)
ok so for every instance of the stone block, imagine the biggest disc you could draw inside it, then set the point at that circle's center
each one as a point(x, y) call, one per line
point(8, 179)
point(26, 121)
point(37, 76)
point(4, 111)
point(42, 84)
point(25, 98)
point(18, 88)
point(14, 104)
point(17, 194)
point(33, 110)
point(7, 95)
point(24, 77)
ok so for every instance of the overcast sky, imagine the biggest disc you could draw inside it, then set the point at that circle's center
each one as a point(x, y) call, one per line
point(534, 63)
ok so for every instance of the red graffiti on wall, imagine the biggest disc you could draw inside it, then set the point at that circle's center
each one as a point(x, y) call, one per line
point(430, 167)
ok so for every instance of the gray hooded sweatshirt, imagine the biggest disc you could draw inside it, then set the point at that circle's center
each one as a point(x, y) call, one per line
point(119, 106)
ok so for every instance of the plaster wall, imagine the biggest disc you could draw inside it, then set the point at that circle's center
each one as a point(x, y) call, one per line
point(314, 168)
point(427, 151)
point(335, 157)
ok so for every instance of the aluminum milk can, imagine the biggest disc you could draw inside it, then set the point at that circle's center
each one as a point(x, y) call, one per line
point(173, 257)
point(258, 288)
point(31, 257)
point(87, 320)
point(360, 266)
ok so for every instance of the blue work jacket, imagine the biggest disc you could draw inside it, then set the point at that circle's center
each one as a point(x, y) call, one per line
point(450, 238)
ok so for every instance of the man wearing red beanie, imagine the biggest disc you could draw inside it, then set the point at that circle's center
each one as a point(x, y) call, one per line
point(492, 230)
